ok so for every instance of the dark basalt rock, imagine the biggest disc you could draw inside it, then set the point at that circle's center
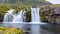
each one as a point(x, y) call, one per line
point(1, 18)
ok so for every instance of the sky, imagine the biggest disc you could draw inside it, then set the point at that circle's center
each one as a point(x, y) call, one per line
point(54, 1)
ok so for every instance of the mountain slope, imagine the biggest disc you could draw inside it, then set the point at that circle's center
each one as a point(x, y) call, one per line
point(26, 2)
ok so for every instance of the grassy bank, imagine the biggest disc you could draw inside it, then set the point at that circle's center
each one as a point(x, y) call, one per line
point(10, 30)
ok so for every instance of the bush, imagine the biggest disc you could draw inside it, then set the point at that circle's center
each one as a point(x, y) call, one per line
point(28, 15)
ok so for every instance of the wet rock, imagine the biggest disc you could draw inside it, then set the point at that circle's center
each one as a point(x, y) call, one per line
point(1, 18)
point(53, 19)
point(52, 15)
point(57, 10)
point(49, 18)
point(46, 18)
point(57, 20)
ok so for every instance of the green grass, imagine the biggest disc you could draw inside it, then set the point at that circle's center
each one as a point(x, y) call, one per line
point(10, 30)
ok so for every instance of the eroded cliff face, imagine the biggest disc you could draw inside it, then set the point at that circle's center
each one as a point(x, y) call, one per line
point(52, 15)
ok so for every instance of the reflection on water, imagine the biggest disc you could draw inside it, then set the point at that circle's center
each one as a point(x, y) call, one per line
point(44, 28)
point(35, 29)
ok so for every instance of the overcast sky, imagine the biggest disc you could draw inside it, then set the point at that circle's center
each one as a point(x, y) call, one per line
point(54, 1)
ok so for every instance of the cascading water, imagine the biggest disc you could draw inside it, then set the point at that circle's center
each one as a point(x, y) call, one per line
point(19, 18)
point(35, 15)
point(24, 15)
point(9, 16)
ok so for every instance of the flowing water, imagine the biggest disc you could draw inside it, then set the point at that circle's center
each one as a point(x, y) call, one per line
point(35, 15)
point(18, 18)
point(9, 16)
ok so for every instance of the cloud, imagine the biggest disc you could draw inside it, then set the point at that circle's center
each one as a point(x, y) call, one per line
point(54, 1)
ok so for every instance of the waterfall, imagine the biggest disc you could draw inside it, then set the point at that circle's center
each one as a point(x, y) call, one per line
point(35, 15)
point(24, 15)
point(8, 17)
point(19, 18)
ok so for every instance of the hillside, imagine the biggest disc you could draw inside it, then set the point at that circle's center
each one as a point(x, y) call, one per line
point(26, 2)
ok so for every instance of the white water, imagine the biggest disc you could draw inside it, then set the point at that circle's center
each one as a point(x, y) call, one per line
point(19, 17)
point(24, 15)
point(35, 15)
point(9, 16)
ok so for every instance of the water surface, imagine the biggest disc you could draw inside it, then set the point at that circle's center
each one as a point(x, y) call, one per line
point(44, 28)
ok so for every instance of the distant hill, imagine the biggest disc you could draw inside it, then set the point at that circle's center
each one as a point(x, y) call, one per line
point(26, 2)
point(36, 2)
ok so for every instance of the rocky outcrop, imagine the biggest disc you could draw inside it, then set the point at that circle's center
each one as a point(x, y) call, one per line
point(52, 15)
point(1, 18)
